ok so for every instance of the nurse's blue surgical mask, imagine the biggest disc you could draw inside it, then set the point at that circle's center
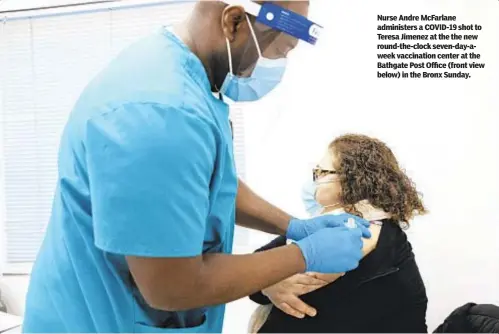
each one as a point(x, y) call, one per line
point(266, 75)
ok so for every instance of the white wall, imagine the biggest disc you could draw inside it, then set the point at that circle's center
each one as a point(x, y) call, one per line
point(444, 132)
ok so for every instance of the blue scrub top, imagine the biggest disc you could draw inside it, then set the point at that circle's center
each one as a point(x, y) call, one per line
point(146, 168)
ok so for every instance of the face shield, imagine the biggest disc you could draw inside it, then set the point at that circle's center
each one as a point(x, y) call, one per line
point(274, 33)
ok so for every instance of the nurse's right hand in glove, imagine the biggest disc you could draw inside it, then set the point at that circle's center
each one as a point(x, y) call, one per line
point(332, 250)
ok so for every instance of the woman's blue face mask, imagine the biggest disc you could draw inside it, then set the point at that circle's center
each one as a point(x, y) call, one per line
point(308, 197)
point(309, 191)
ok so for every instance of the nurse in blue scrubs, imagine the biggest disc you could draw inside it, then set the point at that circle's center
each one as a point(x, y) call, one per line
point(143, 218)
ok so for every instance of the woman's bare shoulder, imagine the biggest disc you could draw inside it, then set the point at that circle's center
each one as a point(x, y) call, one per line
point(370, 244)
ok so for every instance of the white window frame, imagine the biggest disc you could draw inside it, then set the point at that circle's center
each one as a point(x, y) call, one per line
point(3, 238)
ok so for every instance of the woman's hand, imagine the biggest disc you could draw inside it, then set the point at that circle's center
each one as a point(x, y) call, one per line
point(284, 295)
point(328, 278)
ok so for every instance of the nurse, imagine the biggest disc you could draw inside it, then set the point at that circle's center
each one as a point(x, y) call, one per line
point(143, 218)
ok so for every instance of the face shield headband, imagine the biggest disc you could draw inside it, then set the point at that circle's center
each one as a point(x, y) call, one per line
point(281, 19)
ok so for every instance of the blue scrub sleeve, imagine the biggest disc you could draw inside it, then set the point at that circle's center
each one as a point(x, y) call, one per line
point(149, 169)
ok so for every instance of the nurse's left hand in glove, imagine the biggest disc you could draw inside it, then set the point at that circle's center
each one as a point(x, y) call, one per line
point(299, 229)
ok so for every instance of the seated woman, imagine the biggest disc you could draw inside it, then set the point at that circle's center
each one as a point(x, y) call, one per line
point(358, 175)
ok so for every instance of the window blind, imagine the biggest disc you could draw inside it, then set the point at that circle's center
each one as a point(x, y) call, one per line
point(46, 61)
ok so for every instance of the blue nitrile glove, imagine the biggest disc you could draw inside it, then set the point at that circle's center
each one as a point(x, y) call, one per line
point(332, 250)
point(299, 229)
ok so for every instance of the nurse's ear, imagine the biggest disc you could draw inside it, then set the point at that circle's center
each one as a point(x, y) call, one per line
point(234, 25)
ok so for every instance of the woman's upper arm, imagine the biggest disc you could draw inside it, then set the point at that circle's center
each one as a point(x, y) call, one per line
point(370, 244)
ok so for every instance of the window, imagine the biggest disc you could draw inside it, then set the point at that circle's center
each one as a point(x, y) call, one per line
point(46, 59)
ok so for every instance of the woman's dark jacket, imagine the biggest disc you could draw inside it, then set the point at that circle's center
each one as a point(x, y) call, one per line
point(385, 294)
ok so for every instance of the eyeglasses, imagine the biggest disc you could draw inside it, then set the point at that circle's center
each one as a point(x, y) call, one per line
point(318, 172)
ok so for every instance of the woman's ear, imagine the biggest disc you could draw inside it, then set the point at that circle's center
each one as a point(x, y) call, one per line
point(234, 24)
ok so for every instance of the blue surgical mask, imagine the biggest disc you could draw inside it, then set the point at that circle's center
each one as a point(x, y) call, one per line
point(266, 75)
point(308, 197)
point(308, 193)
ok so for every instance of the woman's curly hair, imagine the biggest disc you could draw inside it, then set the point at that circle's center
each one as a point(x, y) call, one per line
point(368, 170)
